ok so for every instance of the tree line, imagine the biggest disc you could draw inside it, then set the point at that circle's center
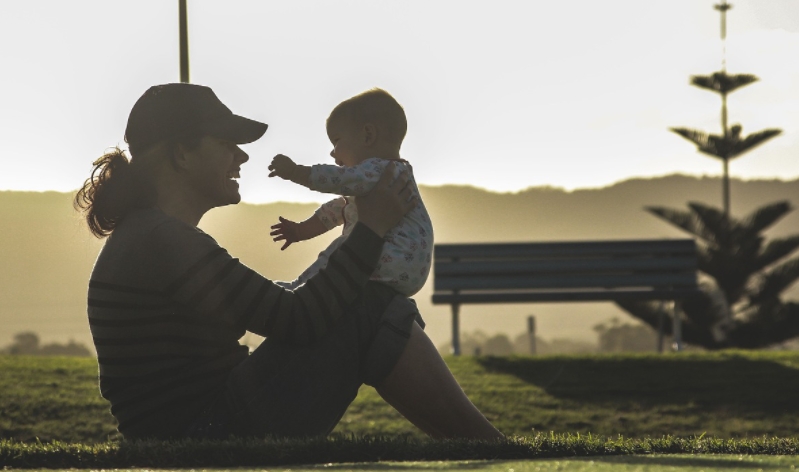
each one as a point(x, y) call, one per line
point(28, 344)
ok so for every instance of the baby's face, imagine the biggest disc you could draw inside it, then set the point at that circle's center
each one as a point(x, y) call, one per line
point(349, 148)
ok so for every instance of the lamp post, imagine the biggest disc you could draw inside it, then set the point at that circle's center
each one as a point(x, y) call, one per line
point(184, 42)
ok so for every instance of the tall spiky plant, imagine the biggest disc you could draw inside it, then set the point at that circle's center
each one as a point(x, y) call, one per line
point(731, 143)
point(740, 303)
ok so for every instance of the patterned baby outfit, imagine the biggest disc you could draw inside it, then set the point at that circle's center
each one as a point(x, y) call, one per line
point(405, 261)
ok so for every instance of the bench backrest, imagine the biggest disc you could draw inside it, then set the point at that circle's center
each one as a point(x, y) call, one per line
point(564, 271)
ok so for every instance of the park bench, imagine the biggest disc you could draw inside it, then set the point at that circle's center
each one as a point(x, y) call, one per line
point(579, 271)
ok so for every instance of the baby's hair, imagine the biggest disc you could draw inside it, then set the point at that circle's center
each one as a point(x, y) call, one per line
point(374, 106)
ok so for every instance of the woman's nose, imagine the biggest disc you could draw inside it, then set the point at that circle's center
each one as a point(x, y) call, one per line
point(242, 156)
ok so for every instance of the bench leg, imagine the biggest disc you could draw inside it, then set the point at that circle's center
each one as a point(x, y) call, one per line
point(677, 327)
point(456, 340)
point(661, 325)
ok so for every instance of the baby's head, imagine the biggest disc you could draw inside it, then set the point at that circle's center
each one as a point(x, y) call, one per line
point(370, 124)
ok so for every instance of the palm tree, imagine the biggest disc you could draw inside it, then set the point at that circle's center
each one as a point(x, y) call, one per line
point(743, 278)
point(741, 275)
point(730, 143)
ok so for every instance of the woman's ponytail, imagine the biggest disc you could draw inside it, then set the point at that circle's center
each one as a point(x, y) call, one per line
point(115, 188)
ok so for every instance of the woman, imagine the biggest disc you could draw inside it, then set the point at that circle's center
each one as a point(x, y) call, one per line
point(167, 305)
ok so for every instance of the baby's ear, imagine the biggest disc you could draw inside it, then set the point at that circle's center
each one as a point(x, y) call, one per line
point(370, 134)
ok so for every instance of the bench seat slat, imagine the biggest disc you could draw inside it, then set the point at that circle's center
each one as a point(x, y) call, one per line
point(501, 282)
point(540, 266)
point(561, 296)
point(575, 248)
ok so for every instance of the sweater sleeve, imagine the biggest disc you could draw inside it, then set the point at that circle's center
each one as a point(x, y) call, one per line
point(203, 277)
point(332, 213)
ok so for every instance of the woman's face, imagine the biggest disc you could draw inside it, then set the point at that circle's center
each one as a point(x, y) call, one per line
point(212, 170)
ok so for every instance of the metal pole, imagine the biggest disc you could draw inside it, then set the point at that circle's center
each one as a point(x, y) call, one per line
point(184, 42)
point(661, 326)
point(456, 342)
point(677, 327)
point(726, 190)
point(531, 333)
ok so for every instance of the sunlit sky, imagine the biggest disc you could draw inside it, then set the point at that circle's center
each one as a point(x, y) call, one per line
point(499, 94)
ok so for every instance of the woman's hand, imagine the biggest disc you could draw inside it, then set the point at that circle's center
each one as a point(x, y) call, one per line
point(385, 205)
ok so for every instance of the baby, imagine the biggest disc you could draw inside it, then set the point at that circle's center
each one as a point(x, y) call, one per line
point(366, 132)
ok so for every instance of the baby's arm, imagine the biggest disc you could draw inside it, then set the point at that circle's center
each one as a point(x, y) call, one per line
point(349, 181)
point(326, 217)
point(283, 167)
point(292, 232)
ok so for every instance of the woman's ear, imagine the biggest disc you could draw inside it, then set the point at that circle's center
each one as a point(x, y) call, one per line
point(370, 134)
point(179, 157)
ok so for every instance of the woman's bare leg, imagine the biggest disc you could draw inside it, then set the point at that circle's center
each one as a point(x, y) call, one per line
point(422, 388)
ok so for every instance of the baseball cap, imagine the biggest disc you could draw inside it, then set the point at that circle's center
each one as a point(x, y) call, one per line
point(180, 109)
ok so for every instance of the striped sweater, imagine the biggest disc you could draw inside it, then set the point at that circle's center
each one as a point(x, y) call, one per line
point(167, 307)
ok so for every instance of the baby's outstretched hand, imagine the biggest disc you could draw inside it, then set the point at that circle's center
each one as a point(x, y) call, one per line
point(287, 231)
point(282, 166)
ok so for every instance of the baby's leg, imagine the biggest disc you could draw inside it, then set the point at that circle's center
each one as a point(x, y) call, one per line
point(422, 388)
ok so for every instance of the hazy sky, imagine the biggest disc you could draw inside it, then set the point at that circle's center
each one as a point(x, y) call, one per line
point(499, 94)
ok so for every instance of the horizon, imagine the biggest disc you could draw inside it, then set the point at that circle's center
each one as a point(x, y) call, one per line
point(322, 197)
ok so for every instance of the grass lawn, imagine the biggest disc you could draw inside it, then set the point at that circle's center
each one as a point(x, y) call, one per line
point(649, 463)
point(544, 452)
point(648, 412)
point(733, 394)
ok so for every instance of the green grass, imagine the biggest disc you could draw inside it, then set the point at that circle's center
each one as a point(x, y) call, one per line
point(53, 398)
point(342, 450)
point(649, 463)
point(724, 395)
point(729, 394)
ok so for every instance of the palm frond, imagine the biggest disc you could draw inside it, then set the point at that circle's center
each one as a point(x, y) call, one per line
point(746, 250)
point(711, 144)
point(764, 217)
point(725, 147)
point(694, 329)
point(711, 262)
point(722, 82)
point(775, 282)
point(648, 312)
point(700, 138)
point(706, 258)
point(683, 220)
point(740, 146)
point(767, 324)
point(775, 250)
point(713, 221)
point(731, 278)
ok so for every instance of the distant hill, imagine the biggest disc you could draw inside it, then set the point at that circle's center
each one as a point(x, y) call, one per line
point(46, 253)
